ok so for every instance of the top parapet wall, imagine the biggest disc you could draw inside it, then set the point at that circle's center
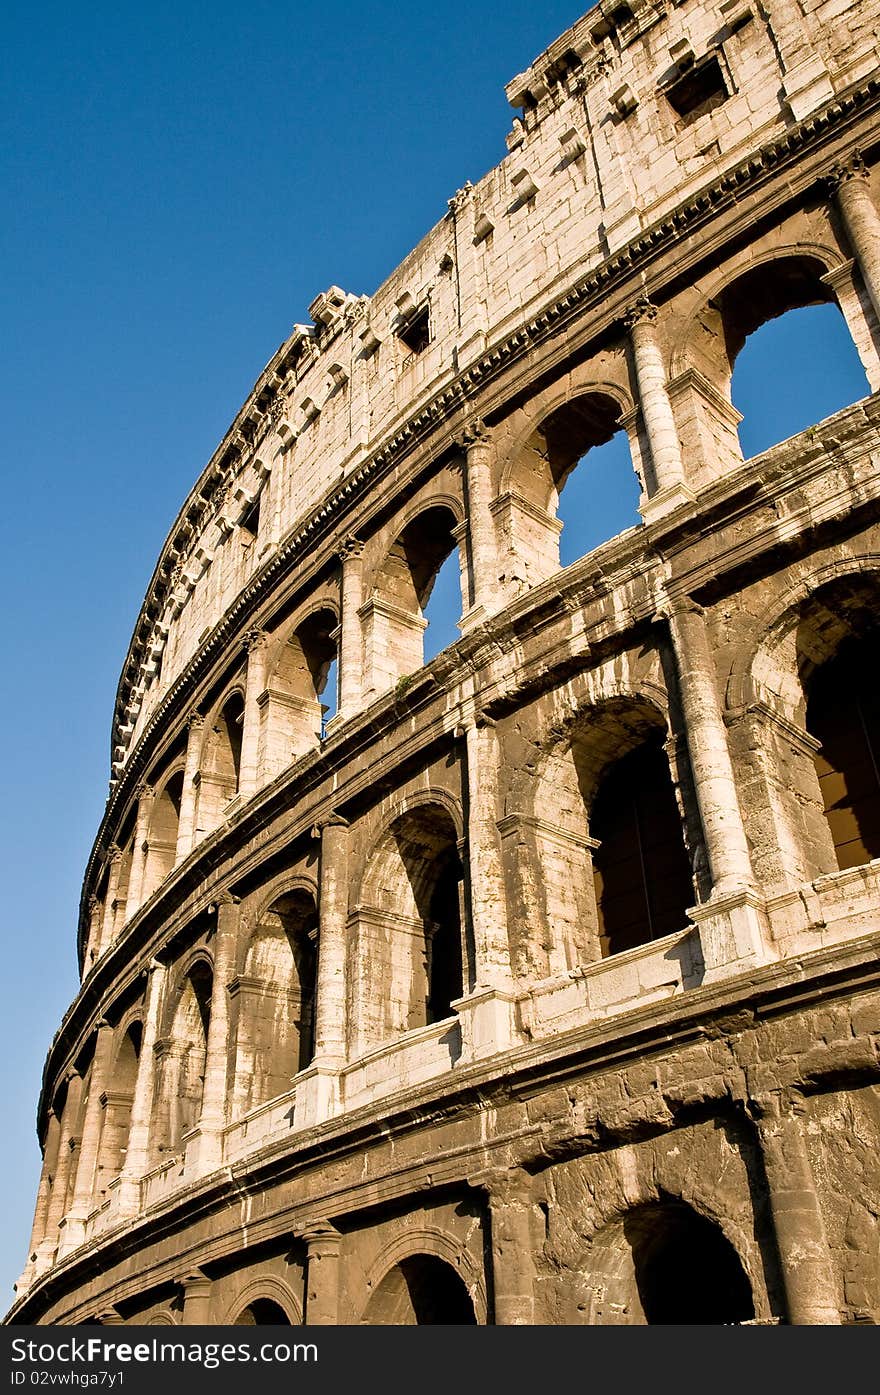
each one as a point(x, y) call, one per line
point(624, 118)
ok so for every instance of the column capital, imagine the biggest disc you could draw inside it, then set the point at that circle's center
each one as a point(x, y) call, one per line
point(331, 821)
point(194, 1283)
point(144, 790)
point(195, 720)
point(504, 1186)
point(641, 311)
point(321, 1238)
point(842, 171)
point(474, 432)
point(114, 853)
point(350, 547)
point(255, 639)
point(226, 898)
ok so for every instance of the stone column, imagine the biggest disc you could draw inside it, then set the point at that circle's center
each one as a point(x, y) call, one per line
point(108, 928)
point(196, 1298)
point(186, 825)
point(847, 181)
point(476, 442)
point(323, 1243)
point(351, 659)
point(487, 1011)
point(723, 829)
point(74, 1223)
point(44, 1194)
point(93, 943)
point(61, 1180)
point(805, 1258)
point(212, 1116)
point(330, 994)
point(513, 1241)
point(670, 488)
point(256, 643)
point(146, 796)
point(732, 922)
point(137, 1155)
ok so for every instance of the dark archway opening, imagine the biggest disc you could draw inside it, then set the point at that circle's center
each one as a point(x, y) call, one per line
point(687, 1271)
point(843, 713)
point(641, 869)
point(420, 1290)
point(262, 1313)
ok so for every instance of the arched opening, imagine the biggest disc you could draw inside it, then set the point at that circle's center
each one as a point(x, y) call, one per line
point(807, 359)
point(411, 926)
point(182, 1059)
point(442, 609)
point(220, 769)
point(641, 870)
point(262, 1312)
point(599, 859)
point(162, 835)
point(421, 1289)
point(573, 486)
point(794, 356)
point(843, 715)
point(808, 741)
point(118, 1100)
point(663, 1263)
point(395, 617)
point(686, 1269)
point(300, 696)
point(276, 1001)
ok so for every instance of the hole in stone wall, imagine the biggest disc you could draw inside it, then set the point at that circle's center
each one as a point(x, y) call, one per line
point(697, 90)
point(415, 334)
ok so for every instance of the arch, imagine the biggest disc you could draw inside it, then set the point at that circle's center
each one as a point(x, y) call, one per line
point(162, 833)
point(403, 1276)
point(117, 1103)
point(301, 673)
point(601, 840)
point(394, 615)
point(220, 763)
point(736, 304)
point(664, 1262)
point(262, 1289)
point(563, 442)
point(414, 954)
point(811, 757)
point(274, 1000)
point(181, 1064)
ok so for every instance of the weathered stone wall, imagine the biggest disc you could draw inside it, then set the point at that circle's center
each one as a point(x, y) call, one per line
point(354, 1036)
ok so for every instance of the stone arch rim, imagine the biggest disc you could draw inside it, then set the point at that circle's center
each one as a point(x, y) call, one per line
point(772, 627)
point(406, 805)
point(270, 1286)
point(552, 401)
point(440, 1245)
point(830, 257)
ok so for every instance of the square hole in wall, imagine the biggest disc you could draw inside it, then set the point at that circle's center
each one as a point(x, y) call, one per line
point(415, 333)
point(697, 90)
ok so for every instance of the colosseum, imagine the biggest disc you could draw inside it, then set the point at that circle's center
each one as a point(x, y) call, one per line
point(538, 982)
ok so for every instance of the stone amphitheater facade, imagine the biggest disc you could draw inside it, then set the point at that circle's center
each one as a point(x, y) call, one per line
point(540, 983)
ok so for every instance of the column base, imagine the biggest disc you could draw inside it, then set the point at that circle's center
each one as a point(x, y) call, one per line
point(317, 1094)
point(665, 500)
point(44, 1258)
point(620, 225)
point(488, 1022)
point(734, 933)
point(71, 1234)
point(203, 1151)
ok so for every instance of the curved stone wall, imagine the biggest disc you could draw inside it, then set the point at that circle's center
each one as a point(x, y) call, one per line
point(373, 1026)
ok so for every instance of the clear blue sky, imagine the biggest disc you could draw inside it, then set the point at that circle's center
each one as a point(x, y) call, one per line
point(178, 182)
